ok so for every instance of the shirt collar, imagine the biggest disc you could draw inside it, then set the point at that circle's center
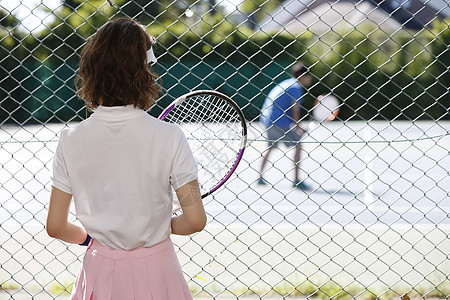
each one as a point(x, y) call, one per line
point(117, 111)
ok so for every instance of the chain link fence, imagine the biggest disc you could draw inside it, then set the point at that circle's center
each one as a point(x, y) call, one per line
point(375, 224)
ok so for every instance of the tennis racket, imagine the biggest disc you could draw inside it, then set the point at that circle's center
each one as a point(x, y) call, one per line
point(325, 109)
point(216, 131)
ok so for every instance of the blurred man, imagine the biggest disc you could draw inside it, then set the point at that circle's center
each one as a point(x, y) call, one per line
point(280, 115)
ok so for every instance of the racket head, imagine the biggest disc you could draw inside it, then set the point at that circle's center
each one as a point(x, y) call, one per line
point(326, 108)
point(216, 131)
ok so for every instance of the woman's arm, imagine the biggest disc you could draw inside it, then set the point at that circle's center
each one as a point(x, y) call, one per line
point(58, 225)
point(193, 218)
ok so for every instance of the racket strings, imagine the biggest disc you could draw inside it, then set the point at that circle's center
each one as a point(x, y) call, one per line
point(231, 127)
point(213, 129)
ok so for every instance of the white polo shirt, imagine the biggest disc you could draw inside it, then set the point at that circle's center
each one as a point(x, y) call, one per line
point(120, 166)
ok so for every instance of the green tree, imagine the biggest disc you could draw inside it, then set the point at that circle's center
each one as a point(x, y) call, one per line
point(163, 11)
point(258, 10)
point(7, 20)
point(12, 53)
point(440, 74)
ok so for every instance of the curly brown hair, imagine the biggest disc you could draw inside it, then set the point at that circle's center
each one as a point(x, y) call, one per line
point(114, 69)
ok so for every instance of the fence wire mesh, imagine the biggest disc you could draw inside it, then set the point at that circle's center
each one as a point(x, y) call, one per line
point(375, 223)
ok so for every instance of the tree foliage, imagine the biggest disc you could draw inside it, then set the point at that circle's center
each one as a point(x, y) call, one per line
point(376, 77)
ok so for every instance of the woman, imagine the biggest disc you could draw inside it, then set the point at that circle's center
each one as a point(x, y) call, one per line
point(120, 166)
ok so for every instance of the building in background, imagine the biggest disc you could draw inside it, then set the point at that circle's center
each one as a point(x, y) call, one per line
point(319, 16)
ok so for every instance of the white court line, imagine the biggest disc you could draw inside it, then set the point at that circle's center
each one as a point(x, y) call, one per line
point(278, 208)
point(359, 226)
point(325, 208)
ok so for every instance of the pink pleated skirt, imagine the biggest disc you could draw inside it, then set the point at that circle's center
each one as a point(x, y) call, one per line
point(152, 273)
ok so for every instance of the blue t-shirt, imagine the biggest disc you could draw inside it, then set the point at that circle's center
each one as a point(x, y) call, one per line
point(277, 108)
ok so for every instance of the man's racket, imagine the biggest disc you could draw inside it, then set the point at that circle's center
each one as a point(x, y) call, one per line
point(325, 109)
point(215, 128)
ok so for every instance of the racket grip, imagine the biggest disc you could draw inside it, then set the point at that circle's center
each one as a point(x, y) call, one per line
point(86, 241)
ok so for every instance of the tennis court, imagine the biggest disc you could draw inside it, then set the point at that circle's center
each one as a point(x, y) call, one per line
point(376, 194)
point(372, 228)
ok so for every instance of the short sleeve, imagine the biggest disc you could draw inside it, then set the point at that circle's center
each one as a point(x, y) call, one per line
point(184, 167)
point(60, 176)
